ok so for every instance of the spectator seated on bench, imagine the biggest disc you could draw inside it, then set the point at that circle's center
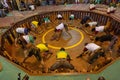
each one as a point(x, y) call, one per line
point(4, 8)
point(2, 13)
point(111, 8)
point(22, 5)
point(30, 5)
point(92, 6)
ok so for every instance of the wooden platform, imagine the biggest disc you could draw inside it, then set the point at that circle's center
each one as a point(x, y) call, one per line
point(80, 64)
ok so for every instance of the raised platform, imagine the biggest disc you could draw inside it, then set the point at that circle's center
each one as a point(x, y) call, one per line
point(75, 50)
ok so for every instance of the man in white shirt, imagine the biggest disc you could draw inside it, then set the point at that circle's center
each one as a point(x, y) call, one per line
point(60, 26)
point(94, 50)
point(24, 40)
point(58, 31)
point(21, 30)
point(59, 17)
point(98, 29)
point(92, 47)
point(91, 24)
point(105, 28)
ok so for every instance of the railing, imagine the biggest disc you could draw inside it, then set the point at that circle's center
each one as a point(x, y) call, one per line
point(9, 36)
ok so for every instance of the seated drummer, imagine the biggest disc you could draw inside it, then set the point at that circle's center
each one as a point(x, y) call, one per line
point(63, 61)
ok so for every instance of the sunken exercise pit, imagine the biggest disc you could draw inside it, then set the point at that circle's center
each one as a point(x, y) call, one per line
point(74, 46)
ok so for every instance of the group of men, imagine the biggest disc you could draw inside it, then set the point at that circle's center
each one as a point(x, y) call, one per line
point(26, 41)
point(40, 51)
point(93, 49)
point(62, 57)
point(111, 8)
